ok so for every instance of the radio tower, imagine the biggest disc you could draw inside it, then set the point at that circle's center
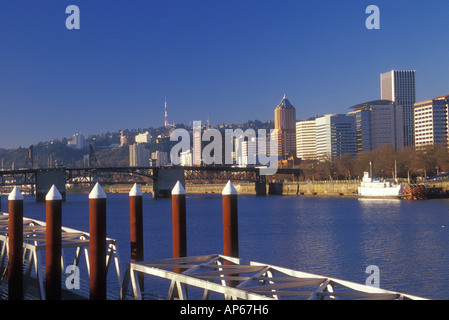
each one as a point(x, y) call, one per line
point(166, 116)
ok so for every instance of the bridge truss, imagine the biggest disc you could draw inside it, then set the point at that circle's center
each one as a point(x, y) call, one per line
point(131, 175)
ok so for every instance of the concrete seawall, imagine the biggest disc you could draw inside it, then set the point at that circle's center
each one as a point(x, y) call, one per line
point(317, 188)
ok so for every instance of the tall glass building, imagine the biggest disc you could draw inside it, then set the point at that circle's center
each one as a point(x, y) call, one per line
point(399, 86)
point(335, 136)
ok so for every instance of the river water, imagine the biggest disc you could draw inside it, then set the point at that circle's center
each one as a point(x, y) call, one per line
point(337, 237)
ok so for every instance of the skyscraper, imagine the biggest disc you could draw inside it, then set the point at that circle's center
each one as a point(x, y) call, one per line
point(399, 86)
point(285, 123)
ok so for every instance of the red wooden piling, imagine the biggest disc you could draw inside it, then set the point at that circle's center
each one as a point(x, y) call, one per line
point(179, 222)
point(136, 223)
point(136, 227)
point(15, 244)
point(53, 244)
point(230, 225)
point(97, 243)
point(230, 221)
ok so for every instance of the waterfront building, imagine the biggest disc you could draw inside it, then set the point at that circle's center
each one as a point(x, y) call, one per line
point(378, 123)
point(399, 86)
point(285, 123)
point(306, 139)
point(139, 155)
point(431, 121)
point(335, 136)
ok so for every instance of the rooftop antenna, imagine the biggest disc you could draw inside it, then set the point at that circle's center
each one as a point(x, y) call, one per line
point(166, 116)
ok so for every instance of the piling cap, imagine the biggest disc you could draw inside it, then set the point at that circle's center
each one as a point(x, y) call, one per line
point(97, 192)
point(53, 194)
point(178, 189)
point(135, 191)
point(229, 189)
point(15, 194)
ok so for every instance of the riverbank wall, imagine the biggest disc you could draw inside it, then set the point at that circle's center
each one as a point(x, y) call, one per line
point(306, 188)
point(312, 188)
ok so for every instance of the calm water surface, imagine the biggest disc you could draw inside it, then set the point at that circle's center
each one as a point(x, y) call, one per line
point(335, 237)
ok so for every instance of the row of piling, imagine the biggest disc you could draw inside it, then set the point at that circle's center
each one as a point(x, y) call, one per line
point(97, 238)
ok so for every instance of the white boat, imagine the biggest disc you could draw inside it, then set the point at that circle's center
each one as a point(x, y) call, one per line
point(375, 187)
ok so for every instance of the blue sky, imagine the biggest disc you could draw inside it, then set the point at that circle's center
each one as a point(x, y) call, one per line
point(227, 61)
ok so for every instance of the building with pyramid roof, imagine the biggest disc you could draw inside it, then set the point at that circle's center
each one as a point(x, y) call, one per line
point(285, 123)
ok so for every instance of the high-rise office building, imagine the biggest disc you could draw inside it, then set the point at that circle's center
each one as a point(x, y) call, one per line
point(335, 136)
point(378, 123)
point(399, 86)
point(431, 121)
point(285, 123)
point(306, 139)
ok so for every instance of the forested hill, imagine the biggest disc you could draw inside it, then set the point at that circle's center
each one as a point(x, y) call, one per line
point(106, 146)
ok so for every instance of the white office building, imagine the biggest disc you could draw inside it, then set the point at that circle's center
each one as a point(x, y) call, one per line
point(144, 137)
point(249, 152)
point(185, 158)
point(431, 121)
point(399, 86)
point(306, 139)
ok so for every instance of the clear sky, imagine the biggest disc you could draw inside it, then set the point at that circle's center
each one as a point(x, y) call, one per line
point(228, 61)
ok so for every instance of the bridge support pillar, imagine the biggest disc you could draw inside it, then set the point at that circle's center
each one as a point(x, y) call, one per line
point(260, 184)
point(261, 188)
point(166, 179)
point(275, 188)
point(45, 179)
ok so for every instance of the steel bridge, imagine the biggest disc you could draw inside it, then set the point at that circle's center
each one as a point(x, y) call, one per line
point(41, 179)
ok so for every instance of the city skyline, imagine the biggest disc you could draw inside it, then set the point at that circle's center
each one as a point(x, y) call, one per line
point(228, 62)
